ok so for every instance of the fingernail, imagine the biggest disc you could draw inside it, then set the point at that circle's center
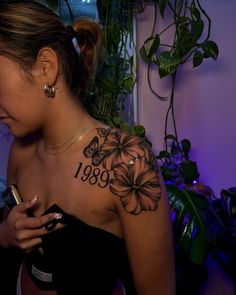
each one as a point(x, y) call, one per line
point(57, 216)
point(35, 198)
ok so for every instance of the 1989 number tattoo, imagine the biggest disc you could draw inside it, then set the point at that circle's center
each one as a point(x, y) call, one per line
point(92, 175)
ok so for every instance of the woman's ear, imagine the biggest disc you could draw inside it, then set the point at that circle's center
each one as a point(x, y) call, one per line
point(47, 66)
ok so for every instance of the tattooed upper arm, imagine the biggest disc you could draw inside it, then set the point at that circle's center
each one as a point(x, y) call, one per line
point(132, 169)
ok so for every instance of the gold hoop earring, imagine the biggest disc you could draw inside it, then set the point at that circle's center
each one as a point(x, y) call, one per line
point(50, 91)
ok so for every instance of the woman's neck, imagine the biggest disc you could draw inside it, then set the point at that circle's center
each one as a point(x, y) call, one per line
point(64, 123)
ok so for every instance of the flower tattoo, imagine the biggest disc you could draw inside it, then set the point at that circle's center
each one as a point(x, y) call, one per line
point(130, 168)
point(137, 185)
point(120, 147)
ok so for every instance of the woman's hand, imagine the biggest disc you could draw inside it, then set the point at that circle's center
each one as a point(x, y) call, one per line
point(20, 231)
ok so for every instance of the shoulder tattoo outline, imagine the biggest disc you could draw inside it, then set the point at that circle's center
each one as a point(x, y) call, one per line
point(128, 168)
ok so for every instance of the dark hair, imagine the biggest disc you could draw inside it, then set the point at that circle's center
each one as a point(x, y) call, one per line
point(28, 26)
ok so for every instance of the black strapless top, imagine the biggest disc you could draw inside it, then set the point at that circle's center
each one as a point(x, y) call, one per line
point(80, 259)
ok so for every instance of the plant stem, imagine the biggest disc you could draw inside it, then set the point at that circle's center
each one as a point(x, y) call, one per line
point(171, 109)
point(172, 24)
point(185, 7)
point(208, 19)
point(172, 99)
point(155, 19)
point(150, 84)
point(70, 10)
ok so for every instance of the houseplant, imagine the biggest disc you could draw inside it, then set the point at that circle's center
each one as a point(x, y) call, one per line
point(190, 28)
point(108, 97)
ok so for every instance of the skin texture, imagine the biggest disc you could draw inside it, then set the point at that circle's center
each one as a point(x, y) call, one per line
point(107, 178)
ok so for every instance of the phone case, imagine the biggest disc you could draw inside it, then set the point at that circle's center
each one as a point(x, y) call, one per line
point(11, 197)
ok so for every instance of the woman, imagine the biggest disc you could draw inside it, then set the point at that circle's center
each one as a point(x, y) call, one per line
point(94, 208)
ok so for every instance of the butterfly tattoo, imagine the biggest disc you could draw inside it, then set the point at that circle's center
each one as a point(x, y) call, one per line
point(103, 133)
point(93, 151)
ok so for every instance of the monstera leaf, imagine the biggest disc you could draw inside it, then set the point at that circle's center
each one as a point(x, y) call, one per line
point(195, 223)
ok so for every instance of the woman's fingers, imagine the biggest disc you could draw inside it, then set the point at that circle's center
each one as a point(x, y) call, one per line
point(24, 207)
point(36, 222)
point(29, 244)
point(30, 229)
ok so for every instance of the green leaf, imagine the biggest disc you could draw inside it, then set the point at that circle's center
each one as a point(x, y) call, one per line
point(149, 48)
point(186, 146)
point(162, 6)
point(189, 171)
point(196, 29)
point(113, 29)
point(163, 154)
point(182, 20)
point(171, 137)
point(197, 58)
point(127, 84)
point(210, 49)
point(139, 130)
point(53, 4)
point(196, 225)
point(144, 55)
point(125, 127)
point(102, 6)
point(151, 45)
point(196, 15)
point(167, 173)
point(117, 121)
point(168, 63)
point(108, 85)
point(184, 42)
point(154, 59)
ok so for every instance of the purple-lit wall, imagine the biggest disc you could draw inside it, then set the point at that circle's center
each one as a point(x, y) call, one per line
point(205, 112)
point(205, 100)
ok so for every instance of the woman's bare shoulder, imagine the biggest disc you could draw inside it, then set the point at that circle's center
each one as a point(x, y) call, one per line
point(129, 166)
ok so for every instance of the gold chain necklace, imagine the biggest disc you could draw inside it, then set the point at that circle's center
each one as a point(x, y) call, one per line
point(65, 145)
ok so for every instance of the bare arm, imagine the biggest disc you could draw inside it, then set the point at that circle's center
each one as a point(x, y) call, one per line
point(140, 198)
point(144, 212)
point(148, 237)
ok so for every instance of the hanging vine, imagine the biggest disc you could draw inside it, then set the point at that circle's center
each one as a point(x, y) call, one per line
point(189, 23)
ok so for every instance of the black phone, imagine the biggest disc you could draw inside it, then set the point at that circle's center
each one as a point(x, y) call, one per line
point(11, 197)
